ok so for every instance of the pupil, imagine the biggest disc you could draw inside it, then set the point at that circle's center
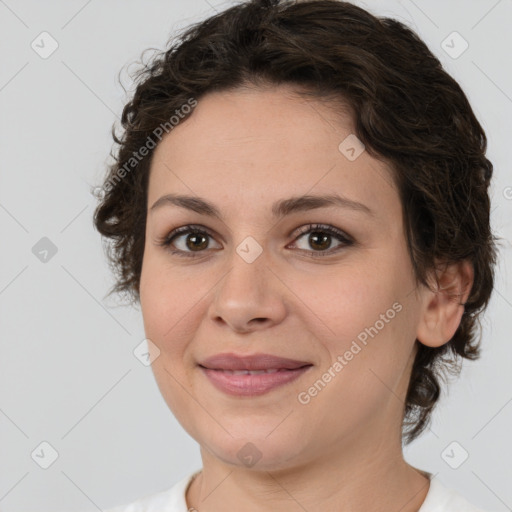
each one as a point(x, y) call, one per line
point(193, 239)
point(317, 240)
point(313, 237)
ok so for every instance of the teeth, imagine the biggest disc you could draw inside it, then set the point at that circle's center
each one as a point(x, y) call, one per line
point(250, 372)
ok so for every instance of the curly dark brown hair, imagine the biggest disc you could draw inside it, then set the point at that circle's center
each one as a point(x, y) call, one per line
point(408, 111)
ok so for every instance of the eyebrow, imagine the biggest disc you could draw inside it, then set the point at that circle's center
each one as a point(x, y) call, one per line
point(280, 208)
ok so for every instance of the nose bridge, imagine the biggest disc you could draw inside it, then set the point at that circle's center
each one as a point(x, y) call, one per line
point(248, 291)
point(247, 277)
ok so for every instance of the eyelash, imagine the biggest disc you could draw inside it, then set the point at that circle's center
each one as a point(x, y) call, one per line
point(198, 230)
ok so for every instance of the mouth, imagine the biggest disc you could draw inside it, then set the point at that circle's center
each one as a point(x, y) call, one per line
point(251, 375)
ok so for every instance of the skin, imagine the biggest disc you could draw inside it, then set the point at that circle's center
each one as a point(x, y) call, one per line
point(242, 150)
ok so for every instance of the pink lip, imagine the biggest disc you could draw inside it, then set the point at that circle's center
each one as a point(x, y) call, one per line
point(230, 361)
point(219, 370)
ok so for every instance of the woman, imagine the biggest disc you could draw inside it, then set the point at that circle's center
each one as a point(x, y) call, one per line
point(300, 205)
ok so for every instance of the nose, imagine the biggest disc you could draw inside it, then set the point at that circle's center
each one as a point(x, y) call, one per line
point(249, 297)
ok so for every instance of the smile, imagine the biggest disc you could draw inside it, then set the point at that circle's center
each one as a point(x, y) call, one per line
point(252, 382)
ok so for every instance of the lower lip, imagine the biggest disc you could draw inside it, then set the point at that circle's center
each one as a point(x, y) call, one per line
point(251, 385)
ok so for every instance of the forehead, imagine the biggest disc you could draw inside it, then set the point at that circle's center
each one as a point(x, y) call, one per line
point(248, 146)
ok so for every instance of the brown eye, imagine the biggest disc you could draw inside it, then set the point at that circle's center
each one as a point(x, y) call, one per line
point(320, 239)
point(187, 240)
point(191, 241)
point(196, 241)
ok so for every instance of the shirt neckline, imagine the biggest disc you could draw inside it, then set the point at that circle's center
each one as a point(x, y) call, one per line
point(436, 493)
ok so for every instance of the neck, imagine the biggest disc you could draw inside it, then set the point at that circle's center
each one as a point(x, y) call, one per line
point(361, 477)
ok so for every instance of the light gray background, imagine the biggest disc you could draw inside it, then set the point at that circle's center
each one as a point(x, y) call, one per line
point(68, 375)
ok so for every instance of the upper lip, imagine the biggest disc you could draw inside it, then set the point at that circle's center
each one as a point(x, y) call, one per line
point(230, 361)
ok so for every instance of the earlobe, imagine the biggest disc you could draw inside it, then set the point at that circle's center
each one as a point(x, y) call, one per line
point(443, 308)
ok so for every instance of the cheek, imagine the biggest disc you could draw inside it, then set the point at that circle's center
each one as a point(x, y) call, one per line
point(348, 300)
point(169, 312)
point(362, 315)
point(165, 318)
point(369, 344)
point(173, 306)
point(163, 303)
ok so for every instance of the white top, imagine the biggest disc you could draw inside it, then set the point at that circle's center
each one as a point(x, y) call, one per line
point(439, 499)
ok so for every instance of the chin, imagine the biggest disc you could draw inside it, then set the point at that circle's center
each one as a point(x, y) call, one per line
point(267, 452)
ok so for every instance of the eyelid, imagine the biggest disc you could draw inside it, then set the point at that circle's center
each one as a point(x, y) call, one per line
point(345, 239)
point(182, 230)
point(342, 237)
point(323, 227)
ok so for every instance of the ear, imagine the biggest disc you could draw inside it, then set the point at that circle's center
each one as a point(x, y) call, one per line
point(442, 309)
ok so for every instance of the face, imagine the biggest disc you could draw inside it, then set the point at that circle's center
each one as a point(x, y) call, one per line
point(327, 285)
